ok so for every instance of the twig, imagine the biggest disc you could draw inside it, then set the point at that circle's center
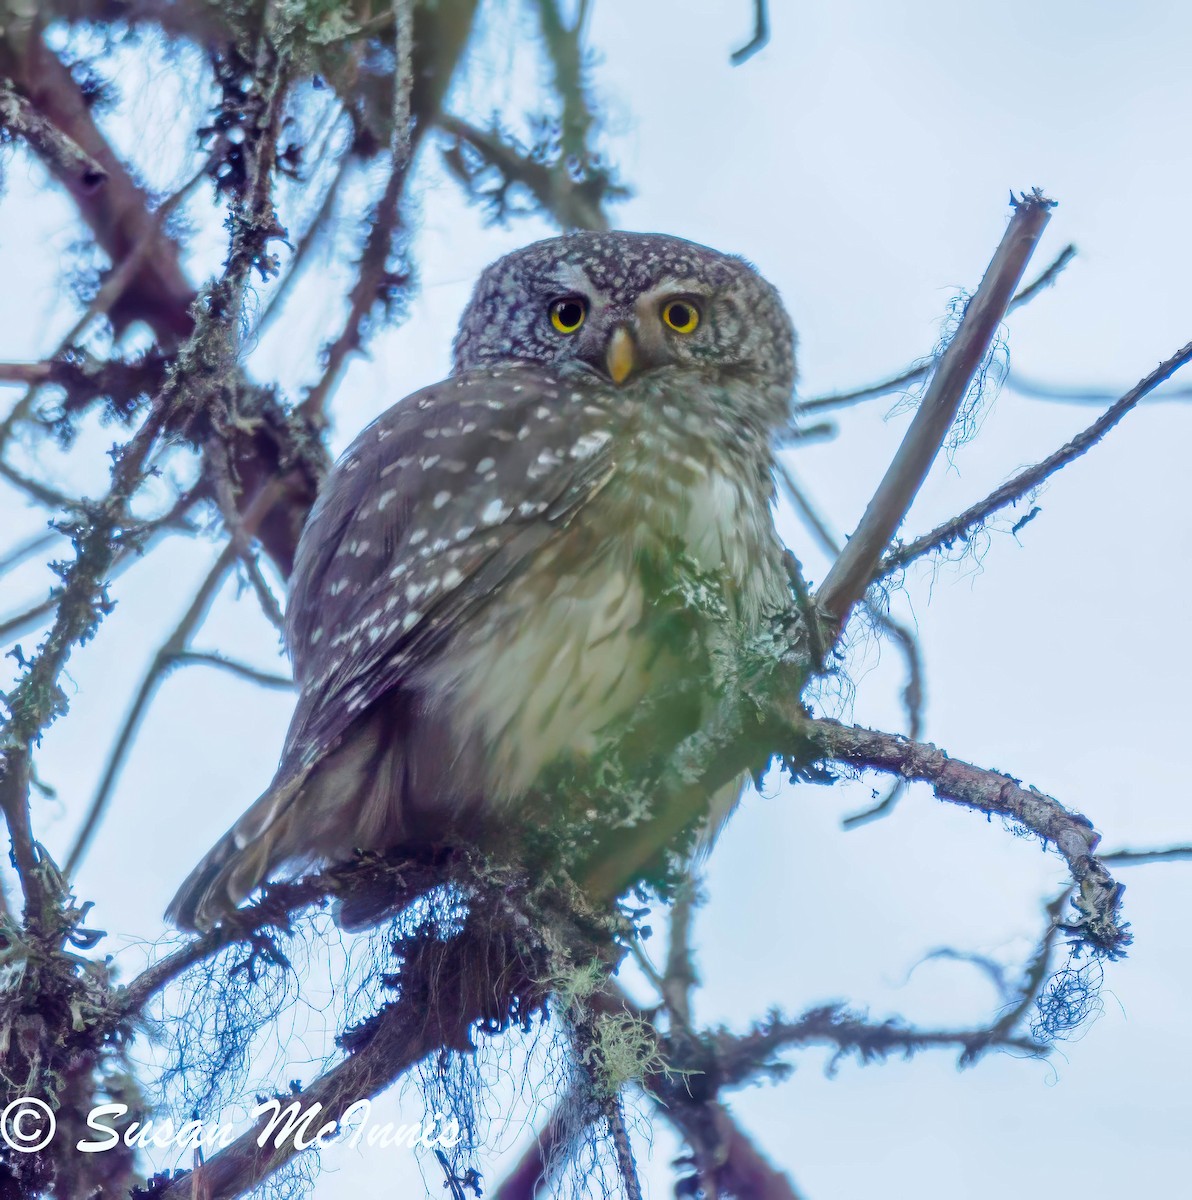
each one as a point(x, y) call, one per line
point(115, 284)
point(25, 373)
point(159, 666)
point(1038, 969)
point(274, 303)
point(912, 699)
point(170, 522)
point(572, 205)
point(68, 159)
point(623, 1149)
point(172, 650)
point(366, 292)
point(1000, 795)
point(1027, 480)
point(212, 658)
point(850, 575)
point(27, 549)
point(1078, 394)
point(28, 618)
point(920, 371)
point(42, 493)
point(680, 976)
point(740, 1057)
point(1140, 858)
point(565, 47)
point(761, 34)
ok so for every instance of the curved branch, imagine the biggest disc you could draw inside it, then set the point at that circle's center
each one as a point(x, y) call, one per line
point(959, 782)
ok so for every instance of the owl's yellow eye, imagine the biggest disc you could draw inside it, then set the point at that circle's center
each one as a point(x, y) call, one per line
point(567, 314)
point(680, 315)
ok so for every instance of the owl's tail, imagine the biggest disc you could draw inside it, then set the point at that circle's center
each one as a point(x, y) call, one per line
point(239, 862)
point(352, 799)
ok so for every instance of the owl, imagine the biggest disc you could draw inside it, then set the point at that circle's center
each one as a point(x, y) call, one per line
point(474, 594)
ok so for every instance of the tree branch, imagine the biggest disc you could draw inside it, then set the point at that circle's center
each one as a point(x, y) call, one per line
point(1026, 481)
point(991, 792)
point(68, 160)
point(920, 371)
point(851, 574)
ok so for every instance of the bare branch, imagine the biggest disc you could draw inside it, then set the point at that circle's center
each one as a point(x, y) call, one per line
point(28, 549)
point(991, 792)
point(159, 666)
point(1084, 394)
point(211, 658)
point(69, 160)
point(920, 371)
point(761, 34)
point(1140, 858)
point(1025, 482)
point(850, 575)
point(574, 205)
point(372, 283)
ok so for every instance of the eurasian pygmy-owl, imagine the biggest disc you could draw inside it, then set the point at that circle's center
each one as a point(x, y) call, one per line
point(472, 594)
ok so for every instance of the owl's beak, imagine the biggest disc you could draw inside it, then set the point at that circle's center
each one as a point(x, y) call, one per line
point(620, 355)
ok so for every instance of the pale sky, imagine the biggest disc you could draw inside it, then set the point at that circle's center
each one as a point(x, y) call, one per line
point(863, 162)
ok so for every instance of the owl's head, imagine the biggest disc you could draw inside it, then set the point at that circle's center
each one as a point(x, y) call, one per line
point(623, 304)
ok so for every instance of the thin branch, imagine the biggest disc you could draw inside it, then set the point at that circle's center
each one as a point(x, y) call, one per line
point(369, 289)
point(912, 700)
point(159, 667)
point(680, 977)
point(69, 160)
point(116, 282)
point(25, 373)
point(172, 650)
point(761, 34)
point(28, 549)
point(1140, 858)
point(170, 522)
point(41, 493)
point(212, 658)
point(990, 792)
point(573, 205)
point(118, 212)
point(27, 619)
point(1025, 482)
point(274, 303)
point(920, 371)
point(1077, 394)
point(850, 575)
point(741, 1057)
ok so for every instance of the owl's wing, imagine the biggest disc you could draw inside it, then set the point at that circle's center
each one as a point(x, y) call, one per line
point(447, 495)
point(440, 500)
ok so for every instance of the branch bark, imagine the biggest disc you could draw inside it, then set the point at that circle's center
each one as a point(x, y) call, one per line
point(850, 575)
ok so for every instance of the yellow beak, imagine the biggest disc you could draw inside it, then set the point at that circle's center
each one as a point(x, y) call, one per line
point(620, 355)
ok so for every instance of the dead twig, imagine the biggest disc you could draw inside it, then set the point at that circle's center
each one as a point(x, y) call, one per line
point(851, 573)
point(1098, 894)
point(919, 371)
point(761, 34)
point(1026, 481)
point(68, 159)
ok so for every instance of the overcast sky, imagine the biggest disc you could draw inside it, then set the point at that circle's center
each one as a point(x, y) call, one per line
point(863, 162)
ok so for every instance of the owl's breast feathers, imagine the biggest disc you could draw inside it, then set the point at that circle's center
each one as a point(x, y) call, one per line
point(468, 599)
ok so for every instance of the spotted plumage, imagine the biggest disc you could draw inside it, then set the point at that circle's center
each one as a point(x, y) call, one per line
point(473, 594)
